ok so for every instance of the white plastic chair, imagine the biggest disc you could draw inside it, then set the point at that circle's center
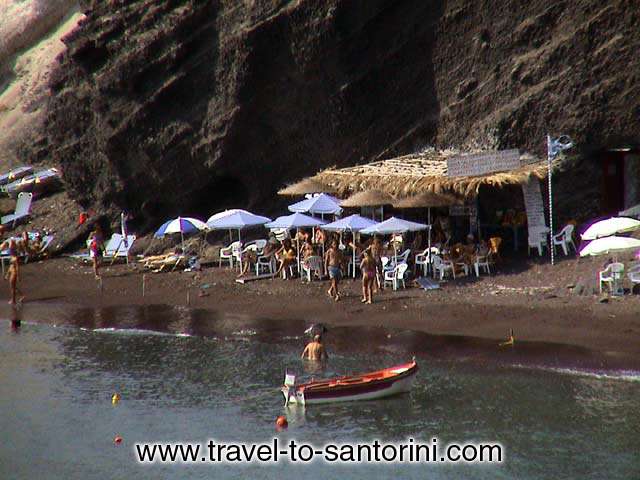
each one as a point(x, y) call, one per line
point(482, 261)
point(565, 239)
point(228, 253)
point(443, 266)
point(538, 240)
point(396, 276)
point(312, 266)
point(424, 260)
point(611, 275)
point(265, 263)
point(23, 209)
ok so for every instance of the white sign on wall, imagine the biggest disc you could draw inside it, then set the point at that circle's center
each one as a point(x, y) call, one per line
point(476, 164)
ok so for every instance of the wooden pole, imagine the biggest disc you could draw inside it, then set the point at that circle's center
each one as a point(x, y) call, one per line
point(144, 281)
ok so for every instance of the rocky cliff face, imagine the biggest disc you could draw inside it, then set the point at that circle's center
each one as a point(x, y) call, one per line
point(183, 106)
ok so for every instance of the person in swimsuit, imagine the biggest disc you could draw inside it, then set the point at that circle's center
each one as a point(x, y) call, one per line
point(287, 255)
point(368, 268)
point(95, 250)
point(376, 252)
point(332, 263)
point(13, 273)
point(314, 350)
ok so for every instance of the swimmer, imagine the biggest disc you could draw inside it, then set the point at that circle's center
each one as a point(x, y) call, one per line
point(314, 350)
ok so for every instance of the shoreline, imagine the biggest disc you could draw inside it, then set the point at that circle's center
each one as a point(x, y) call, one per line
point(611, 331)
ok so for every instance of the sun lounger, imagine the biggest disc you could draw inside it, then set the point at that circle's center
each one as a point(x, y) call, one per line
point(23, 209)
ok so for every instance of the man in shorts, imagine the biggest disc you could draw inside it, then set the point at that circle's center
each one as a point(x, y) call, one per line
point(332, 263)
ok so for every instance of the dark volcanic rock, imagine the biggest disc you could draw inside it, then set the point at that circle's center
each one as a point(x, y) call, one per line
point(184, 106)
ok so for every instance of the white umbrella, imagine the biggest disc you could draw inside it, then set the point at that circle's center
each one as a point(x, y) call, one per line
point(394, 225)
point(296, 220)
point(610, 226)
point(236, 220)
point(318, 204)
point(352, 223)
point(603, 246)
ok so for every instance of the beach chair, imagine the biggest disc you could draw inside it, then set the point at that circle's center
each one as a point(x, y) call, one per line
point(482, 261)
point(23, 210)
point(230, 253)
point(396, 276)
point(312, 266)
point(424, 260)
point(612, 275)
point(265, 264)
point(565, 239)
point(118, 247)
point(443, 266)
point(538, 240)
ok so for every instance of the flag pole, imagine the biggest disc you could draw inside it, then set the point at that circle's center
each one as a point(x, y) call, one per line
point(550, 199)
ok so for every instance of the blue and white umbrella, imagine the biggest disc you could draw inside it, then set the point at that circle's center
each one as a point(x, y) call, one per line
point(296, 220)
point(352, 223)
point(321, 204)
point(180, 225)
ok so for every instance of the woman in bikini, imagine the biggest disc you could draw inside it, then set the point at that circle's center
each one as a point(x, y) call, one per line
point(13, 273)
point(287, 256)
point(368, 268)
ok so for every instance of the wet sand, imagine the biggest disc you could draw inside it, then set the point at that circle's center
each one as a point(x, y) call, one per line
point(537, 309)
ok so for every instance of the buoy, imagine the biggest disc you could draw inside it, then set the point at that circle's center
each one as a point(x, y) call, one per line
point(115, 399)
point(281, 422)
point(117, 440)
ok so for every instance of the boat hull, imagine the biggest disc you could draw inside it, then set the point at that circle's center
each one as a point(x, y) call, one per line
point(342, 390)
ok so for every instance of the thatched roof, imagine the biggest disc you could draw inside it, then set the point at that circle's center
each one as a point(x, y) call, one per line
point(368, 198)
point(425, 172)
point(308, 185)
point(428, 199)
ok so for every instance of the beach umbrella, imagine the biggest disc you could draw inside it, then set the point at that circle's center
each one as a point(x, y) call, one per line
point(603, 246)
point(318, 204)
point(180, 225)
point(308, 185)
point(295, 220)
point(352, 223)
point(394, 225)
point(610, 226)
point(429, 200)
point(236, 220)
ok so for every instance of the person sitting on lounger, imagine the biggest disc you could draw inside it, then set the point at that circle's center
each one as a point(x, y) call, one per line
point(287, 257)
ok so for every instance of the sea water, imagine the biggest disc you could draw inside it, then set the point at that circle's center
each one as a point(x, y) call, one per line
point(191, 376)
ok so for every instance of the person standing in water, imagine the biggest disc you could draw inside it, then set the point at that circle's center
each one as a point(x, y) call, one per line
point(13, 273)
point(315, 350)
point(332, 263)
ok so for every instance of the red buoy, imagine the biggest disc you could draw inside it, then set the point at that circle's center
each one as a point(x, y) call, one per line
point(117, 440)
point(281, 422)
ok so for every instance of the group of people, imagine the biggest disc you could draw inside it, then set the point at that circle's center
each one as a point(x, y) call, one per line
point(16, 248)
point(334, 252)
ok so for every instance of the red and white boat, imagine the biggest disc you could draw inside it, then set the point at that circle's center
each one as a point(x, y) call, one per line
point(368, 386)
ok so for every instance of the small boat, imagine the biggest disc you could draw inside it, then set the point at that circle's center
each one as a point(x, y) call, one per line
point(367, 386)
point(44, 181)
point(15, 174)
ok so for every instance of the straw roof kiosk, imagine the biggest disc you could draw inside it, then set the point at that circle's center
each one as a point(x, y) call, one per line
point(443, 172)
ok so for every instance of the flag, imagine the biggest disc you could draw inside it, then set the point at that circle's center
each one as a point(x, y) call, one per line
point(557, 145)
